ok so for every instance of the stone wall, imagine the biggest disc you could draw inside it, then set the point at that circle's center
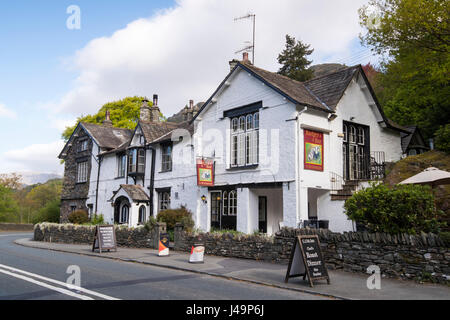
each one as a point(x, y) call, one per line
point(398, 256)
point(16, 227)
point(79, 234)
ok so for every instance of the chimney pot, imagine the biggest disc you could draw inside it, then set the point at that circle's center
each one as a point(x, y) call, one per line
point(107, 122)
point(191, 104)
point(245, 56)
point(155, 100)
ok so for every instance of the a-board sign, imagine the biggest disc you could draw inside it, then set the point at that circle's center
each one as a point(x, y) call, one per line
point(306, 260)
point(163, 248)
point(197, 253)
point(104, 238)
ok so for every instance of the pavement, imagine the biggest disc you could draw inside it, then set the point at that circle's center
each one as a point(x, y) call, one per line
point(344, 285)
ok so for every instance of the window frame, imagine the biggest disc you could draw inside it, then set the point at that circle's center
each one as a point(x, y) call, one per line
point(164, 197)
point(166, 157)
point(245, 140)
point(82, 171)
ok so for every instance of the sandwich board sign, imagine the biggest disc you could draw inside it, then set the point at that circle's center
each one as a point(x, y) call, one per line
point(307, 261)
point(163, 248)
point(197, 252)
point(104, 238)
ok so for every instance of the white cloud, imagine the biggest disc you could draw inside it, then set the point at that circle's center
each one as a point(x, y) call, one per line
point(36, 158)
point(182, 53)
point(6, 113)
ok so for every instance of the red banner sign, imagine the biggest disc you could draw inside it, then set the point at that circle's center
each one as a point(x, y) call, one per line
point(205, 173)
point(313, 146)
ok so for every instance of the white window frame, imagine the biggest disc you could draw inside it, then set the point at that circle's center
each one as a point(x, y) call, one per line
point(124, 213)
point(232, 203)
point(82, 168)
point(163, 200)
point(245, 140)
point(121, 165)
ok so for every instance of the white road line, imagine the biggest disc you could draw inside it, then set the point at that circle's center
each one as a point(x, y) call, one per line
point(12, 234)
point(87, 291)
point(42, 284)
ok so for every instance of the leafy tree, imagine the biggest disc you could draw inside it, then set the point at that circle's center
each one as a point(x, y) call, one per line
point(414, 37)
point(124, 114)
point(49, 213)
point(294, 61)
point(442, 138)
point(42, 194)
point(8, 206)
point(11, 181)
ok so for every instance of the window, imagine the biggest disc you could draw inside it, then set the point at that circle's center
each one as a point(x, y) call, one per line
point(142, 215)
point(82, 145)
point(136, 160)
point(225, 203)
point(124, 213)
point(232, 211)
point(245, 140)
point(121, 164)
point(352, 137)
point(166, 160)
point(82, 172)
point(73, 208)
point(163, 200)
point(360, 136)
point(345, 133)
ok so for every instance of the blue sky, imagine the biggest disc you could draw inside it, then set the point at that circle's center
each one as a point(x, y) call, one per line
point(50, 74)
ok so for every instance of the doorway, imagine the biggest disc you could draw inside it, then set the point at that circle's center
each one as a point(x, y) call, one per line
point(356, 151)
point(262, 214)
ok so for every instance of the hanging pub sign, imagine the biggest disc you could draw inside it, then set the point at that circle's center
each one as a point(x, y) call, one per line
point(313, 150)
point(104, 238)
point(307, 261)
point(205, 172)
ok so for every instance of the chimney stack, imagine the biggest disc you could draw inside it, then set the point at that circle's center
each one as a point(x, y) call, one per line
point(245, 57)
point(145, 111)
point(154, 110)
point(188, 112)
point(107, 122)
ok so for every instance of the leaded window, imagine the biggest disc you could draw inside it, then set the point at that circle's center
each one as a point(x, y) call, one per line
point(245, 140)
point(82, 168)
point(163, 200)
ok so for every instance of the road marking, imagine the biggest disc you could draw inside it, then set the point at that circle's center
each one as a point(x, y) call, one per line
point(12, 234)
point(73, 287)
point(42, 284)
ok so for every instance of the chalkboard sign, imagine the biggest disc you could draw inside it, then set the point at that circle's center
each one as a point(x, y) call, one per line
point(306, 260)
point(104, 238)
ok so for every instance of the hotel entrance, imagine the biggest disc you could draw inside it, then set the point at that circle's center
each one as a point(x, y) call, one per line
point(223, 209)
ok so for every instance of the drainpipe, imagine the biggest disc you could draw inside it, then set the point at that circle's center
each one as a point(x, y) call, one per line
point(298, 159)
point(100, 159)
point(152, 179)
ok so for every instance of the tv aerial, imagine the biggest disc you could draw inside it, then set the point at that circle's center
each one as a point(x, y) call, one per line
point(249, 45)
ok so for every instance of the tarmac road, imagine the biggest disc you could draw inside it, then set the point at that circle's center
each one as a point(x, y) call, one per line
point(30, 273)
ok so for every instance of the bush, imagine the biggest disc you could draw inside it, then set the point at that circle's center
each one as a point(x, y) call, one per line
point(173, 216)
point(402, 209)
point(96, 219)
point(150, 224)
point(49, 213)
point(78, 217)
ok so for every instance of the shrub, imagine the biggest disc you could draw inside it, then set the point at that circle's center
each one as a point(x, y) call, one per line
point(173, 216)
point(97, 219)
point(402, 209)
point(49, 213)
point(150, 224)
point(78, 217)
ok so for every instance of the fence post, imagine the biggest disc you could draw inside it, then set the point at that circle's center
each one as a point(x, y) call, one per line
point(160, 227)
point(177, 234)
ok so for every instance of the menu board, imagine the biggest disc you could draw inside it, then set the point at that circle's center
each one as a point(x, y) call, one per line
point(104, 238)
point(306, 260)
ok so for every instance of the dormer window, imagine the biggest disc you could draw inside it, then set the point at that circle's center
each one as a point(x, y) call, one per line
point(136, 161)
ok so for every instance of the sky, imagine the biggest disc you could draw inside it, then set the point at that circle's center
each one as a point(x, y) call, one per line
point(51, 73)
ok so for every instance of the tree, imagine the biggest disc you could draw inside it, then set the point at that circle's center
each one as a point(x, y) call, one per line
point(124, 114)
point(414, 37)
point(293, 59)
point(11, 181)
point(8, 207)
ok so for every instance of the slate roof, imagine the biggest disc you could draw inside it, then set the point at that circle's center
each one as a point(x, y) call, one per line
point(108, 137)
point(135, 192)
point(154, 130)
point(184, 125)
point(329, 88)
point(296, 90)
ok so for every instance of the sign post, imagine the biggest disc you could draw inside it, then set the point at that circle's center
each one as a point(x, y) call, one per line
point(104, 238)
point(306, 260)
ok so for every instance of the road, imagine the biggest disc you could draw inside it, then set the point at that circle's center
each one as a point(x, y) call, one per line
point(29, 273)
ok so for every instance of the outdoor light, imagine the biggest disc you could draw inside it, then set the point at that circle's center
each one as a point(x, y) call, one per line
point(219, 198)
point(203, 199)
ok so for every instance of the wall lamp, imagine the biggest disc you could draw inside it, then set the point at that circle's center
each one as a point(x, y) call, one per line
point(204, 199)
